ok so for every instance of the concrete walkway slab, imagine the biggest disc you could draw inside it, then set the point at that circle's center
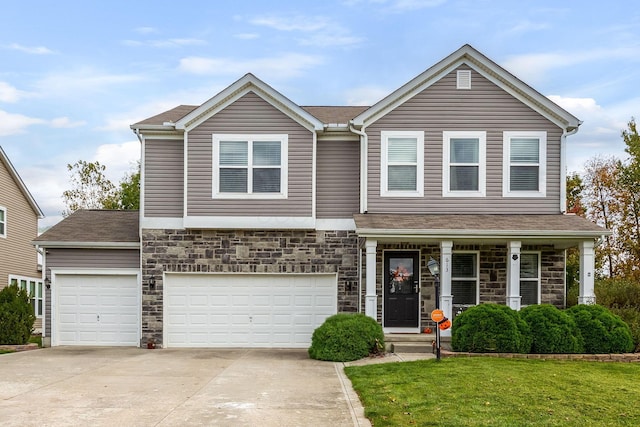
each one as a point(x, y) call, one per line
point(70, 386)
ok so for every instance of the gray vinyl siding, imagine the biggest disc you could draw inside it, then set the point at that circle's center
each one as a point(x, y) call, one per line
point(338, 179)
point(485, 107)
point(86, 259)
point(163, 178)
point(250, 114)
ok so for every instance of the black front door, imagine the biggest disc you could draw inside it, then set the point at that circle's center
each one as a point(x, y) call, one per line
point(401, 289)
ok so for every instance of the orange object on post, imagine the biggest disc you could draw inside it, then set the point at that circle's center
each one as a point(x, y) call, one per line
point(445, 324)
point(437, 315)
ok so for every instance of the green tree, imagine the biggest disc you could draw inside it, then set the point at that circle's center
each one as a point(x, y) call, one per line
point(93, 190)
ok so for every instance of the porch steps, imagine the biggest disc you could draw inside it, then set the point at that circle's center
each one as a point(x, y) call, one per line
point(409, 343)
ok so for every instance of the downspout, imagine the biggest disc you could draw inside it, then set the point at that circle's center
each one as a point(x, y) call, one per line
point(364, 147)
point(563, 166)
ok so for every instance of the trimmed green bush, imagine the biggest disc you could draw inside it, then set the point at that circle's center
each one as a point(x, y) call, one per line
point(490, 328)
point(622, 297)
point(16, 316)
point(552, 330)
point(345, 337)
point(603, 331)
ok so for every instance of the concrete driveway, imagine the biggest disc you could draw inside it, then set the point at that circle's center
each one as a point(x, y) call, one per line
point(70, 386)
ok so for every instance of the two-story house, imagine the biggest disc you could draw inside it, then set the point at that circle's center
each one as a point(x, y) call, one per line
point(259, 217)
point(19, 214)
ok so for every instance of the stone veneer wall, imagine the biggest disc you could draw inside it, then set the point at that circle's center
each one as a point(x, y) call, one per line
point(493, 275)
point(249, 251)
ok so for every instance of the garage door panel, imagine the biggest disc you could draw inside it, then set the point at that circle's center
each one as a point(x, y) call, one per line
point(100, 309)
point(246, 310)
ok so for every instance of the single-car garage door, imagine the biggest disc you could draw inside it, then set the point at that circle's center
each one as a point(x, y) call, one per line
point(242, 310)
point(96, 310)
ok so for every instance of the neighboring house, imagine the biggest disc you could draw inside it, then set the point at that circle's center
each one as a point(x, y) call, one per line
point(19, 214)
point(259, 218)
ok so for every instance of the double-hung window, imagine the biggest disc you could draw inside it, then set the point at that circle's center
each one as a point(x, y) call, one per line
point(402, 164)
point(525, 164)
point(464, 279)
point(530, 278)
point(464, 164)
point(3, 222)
point(250, 166)
point(33, 287)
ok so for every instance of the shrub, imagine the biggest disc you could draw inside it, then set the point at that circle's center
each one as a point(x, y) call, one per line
point(16, 316)
point(490, 328)
point(552, 330)
point(603, 331)
point(344, 337)
point(622, 297)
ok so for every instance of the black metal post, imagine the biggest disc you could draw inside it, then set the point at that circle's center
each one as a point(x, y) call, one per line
point(437, 285)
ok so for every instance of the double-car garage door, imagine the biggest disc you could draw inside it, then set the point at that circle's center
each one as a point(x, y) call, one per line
point(242, 310)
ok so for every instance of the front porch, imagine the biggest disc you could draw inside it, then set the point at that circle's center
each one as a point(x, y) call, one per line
point(491, 262)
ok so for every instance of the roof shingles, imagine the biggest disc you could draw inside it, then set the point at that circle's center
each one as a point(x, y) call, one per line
point(95, 226)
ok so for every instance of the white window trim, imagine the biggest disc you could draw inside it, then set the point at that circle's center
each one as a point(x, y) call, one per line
point(453, 278)
point(284, 165)
point(482, 163)
point(4, 229)
point(506, 164)
point(539, 279)
point(384, 178)
point(36, 297)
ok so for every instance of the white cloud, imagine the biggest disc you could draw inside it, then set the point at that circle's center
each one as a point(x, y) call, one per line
point(366, 95)
point(84, 81)
point(528, 26)
point(66, 123)
point(398, 6)
point(16, 123)
point(247, 36)
point(283, 66)
point(317, 30)
point(32, 50)
point(168, 43)
point(119, 159)
point(145, 30)
point(9, 93)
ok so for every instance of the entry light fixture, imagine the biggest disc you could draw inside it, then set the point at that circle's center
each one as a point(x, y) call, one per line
point(434, 269)
point(47, 283)
point(152, 282)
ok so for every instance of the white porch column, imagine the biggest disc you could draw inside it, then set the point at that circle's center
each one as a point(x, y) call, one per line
point(371, 299)
point(446, 299)
point(513, 275)
point(587, 267)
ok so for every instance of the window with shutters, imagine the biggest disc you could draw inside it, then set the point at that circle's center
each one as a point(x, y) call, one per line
point(402, 164)
point(464, 279)
point(464, 164)
point(525, 164)
point(530, 278)
point(250, 166)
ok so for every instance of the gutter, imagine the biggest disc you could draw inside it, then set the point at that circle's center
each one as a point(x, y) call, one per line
point(563, 164)
point(87, 245)
point(364, 173)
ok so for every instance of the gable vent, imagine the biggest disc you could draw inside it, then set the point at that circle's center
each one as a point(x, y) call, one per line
point(464, 79)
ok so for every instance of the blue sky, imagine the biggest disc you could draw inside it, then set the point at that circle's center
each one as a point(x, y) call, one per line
point(75, 74)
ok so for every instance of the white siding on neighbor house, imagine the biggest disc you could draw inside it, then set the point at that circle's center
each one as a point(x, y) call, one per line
point(163, 177)
point(484, 107)
point(338, 179)
point(250, 114)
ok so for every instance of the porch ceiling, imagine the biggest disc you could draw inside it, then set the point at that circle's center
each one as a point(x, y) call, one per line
point(561, 230)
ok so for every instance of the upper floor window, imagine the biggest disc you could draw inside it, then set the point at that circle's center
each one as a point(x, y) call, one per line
point(530, 278)
point(464, 279)
point(250, 166)
point(464, 164)
point(33, 288)
point(524, 164)
point(402, 164)
point(3, 222)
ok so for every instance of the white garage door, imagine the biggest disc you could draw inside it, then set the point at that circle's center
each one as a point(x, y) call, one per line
point(96, 310)
point(240, 310)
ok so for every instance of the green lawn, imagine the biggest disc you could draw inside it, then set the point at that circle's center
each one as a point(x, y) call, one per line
point(482, 391)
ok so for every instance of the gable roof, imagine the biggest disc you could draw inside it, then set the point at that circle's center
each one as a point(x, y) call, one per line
point(248, 83)
point(97, 228)
point(487, 68)
point(16, 177)
point(335, 114)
